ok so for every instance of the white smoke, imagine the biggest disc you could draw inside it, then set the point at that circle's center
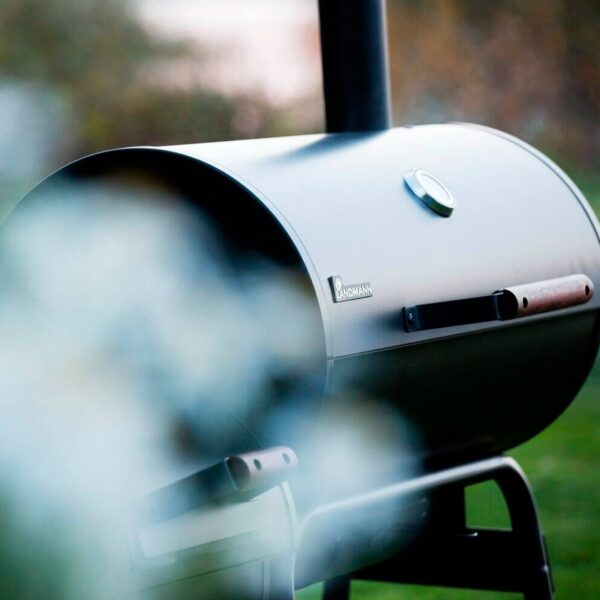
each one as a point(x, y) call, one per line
point(132, 354)
point(116, 322)
point(119, 322)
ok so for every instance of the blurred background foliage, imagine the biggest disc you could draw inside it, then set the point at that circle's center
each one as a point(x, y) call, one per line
point(102, 63)
point(78, 76)
point(528, 67)
point(531, 68)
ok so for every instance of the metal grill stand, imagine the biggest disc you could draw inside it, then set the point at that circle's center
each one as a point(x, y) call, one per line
point(450, 554)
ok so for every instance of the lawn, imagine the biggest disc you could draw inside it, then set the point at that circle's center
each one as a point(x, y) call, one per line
point(563, 466)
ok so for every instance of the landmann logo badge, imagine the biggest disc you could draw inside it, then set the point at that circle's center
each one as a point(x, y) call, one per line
point(342, 292)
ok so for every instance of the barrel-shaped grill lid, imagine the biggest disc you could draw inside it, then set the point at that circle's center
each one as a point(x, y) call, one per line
point(358, 217)
point(344, 201)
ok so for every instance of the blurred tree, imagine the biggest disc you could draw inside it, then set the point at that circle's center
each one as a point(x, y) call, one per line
point(531, 68)
point(107, 68)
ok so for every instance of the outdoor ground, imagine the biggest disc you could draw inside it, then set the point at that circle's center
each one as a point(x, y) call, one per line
point(563, 465)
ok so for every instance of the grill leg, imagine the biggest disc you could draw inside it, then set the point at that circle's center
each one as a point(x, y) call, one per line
point(449, 554)
point(337, 589)
point(526, 529)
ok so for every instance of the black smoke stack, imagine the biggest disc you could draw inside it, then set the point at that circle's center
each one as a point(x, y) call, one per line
point(355, 65)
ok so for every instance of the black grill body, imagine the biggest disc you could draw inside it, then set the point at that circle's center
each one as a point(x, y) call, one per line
point(337, 205)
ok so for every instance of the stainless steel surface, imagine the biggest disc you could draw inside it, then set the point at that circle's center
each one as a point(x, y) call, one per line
point(432, 192)
point(354, 291)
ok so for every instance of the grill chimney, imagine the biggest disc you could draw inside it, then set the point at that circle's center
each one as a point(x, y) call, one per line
point(355, 65)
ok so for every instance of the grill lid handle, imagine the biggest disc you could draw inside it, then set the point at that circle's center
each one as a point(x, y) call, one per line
point(502, 305)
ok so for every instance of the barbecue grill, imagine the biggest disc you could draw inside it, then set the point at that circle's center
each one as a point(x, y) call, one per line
point(451, 272)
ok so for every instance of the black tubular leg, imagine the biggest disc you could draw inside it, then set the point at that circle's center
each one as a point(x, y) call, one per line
point(355, 65)
point(337, 589)
point(526, 528)
point(448, 511)
point(449, 554)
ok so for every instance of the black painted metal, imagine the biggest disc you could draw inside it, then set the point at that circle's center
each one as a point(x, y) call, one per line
point(452, 313)
point(450, 554)
point(337, 588)
point(533, 298)
point(326, 205)
point(509, 394)
point(355, 65)
point(471, 390)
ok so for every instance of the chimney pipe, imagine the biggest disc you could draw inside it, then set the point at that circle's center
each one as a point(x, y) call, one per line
point(355, 65)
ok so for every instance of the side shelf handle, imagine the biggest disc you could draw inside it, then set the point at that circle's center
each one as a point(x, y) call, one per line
point(237, 478)
point(508, 303)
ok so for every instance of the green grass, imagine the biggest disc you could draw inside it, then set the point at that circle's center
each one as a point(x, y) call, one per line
point(563, 466)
